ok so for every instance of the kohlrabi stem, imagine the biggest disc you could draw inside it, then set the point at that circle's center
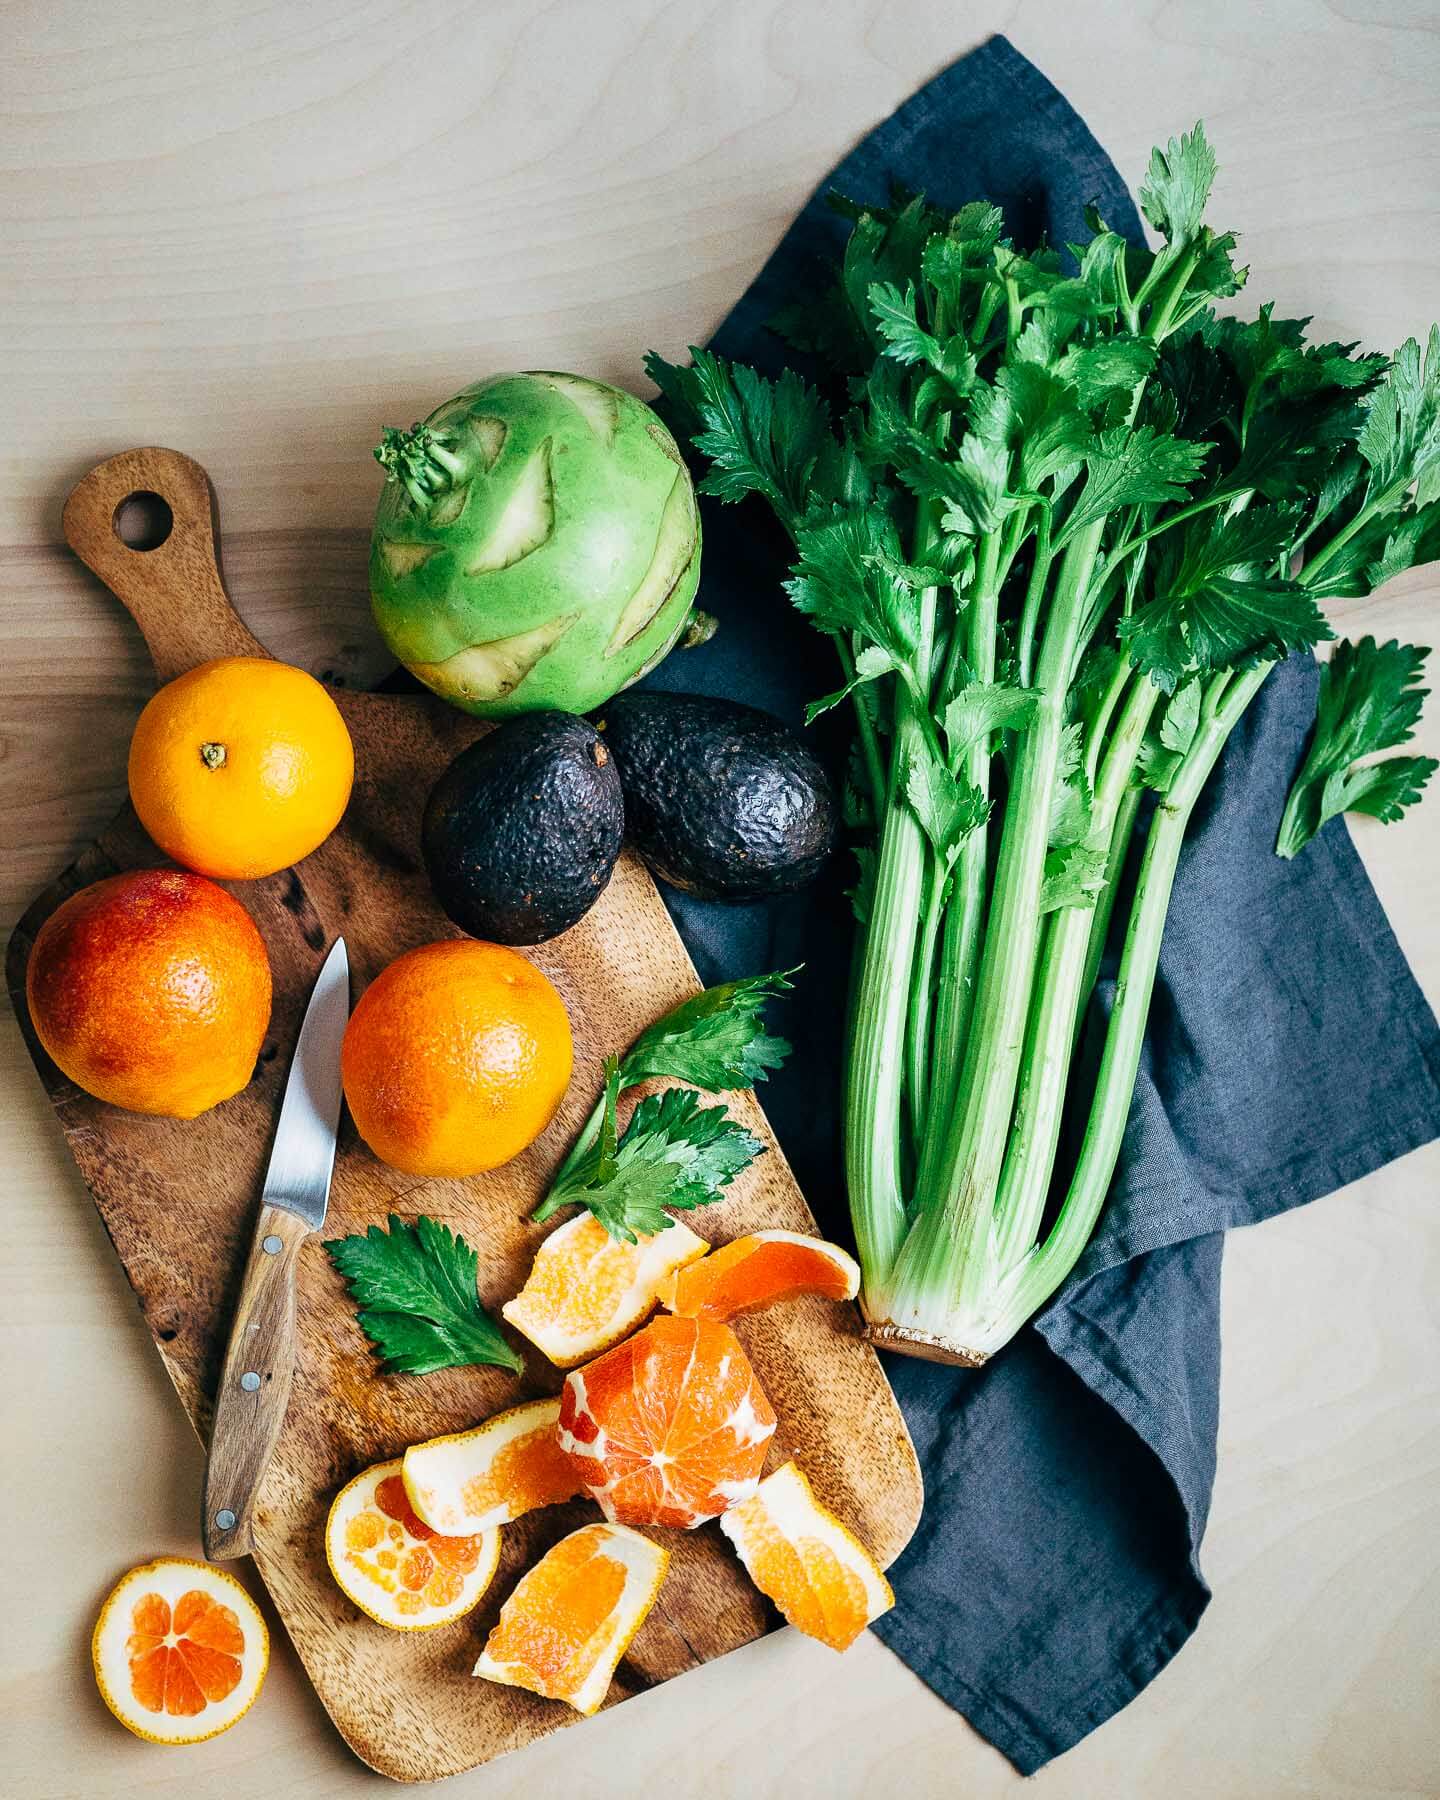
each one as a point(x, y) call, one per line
point(420, 460)
point(949, 1249)
point(1055, 1009)
point(1041, 1274)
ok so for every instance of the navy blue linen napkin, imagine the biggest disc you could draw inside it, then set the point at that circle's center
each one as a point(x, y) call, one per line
point(1056, 1571)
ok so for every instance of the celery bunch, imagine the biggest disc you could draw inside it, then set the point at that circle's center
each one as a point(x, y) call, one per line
point(1059, 527)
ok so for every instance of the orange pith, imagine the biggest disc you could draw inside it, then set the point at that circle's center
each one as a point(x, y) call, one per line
point(821, 1596)
point(456, 1058)
point(532, 1471)
point(240, 767)
point(179, 1651)
point(425, 1573)
point(392, 1565)
point(587, 1289)
point(185, 1658)
point(797, 1552)
point(670, 1427)
point(152, 991)
point(568, 1597)
point(572, 1617)
point(758, 1270)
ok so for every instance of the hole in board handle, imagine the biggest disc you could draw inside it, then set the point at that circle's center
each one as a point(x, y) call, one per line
point(143, 521)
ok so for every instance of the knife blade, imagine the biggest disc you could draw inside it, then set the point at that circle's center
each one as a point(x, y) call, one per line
point(254, 1389)
point(303, 1155)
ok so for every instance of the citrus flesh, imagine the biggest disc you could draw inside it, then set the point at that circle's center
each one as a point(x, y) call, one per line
point(586, 1289)
point(390, 1562)
point(669, 1428)
point(572, 1617)
point(797, 1553)
point(151, 991)
point(179, 1651)
point(473, 1481)
point(758, 1270)
point(456, 1058)
point(241, 767)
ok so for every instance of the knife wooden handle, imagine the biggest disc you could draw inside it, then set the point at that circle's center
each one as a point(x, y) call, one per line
point(254, 1385)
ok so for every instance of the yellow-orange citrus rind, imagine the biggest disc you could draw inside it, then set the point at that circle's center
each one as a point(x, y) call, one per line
point(472, 1481)
point(574, 1615)
point(393, 1566)
point(818, 1573)
point(586, 1290)
point(126, 1643)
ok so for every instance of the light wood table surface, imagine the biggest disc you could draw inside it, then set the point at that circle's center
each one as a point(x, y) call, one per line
point(257, 233)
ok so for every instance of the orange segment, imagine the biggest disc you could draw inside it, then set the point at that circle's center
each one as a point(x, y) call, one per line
point(820, 1576)
point(668, 1428)
point(571, 1619)
point(393, 1565)
point(586, 1289)
point(755, 1271)
point(180, 1651)
point(475, 1480)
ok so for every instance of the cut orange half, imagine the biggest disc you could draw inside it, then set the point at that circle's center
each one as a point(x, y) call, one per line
point(392, 1565)
point(180, 1651)
point(475, 1480)
point(820, 1575)
point(668, 1428)
point(755, 1271)
point(586, 1289)
point(571, 1619)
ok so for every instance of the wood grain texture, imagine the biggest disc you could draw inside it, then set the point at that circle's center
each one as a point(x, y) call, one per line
point(245, 1425)
point(262, 234)
point(178, 1199)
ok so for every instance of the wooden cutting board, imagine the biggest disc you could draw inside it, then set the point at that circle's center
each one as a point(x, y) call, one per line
point(178, 1200)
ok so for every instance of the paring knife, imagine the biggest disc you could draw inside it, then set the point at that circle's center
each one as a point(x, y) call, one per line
point(260, 1359)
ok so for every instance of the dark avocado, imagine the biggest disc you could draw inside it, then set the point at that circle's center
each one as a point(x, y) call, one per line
point(721, 800)
point(522, 830)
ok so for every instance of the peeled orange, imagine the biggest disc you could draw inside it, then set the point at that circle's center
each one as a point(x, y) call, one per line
point(755, 1271)
point(668, 1428)
point(392, 1565)
point(472, 1481)
point(241, 767)
point(586, 1289)
point(152, 991)
point(572, 1617)
point(180, 1651)
point(456, 1058)
point(821, 1577)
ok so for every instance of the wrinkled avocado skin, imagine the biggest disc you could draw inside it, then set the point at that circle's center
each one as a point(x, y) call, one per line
point(521, 832)
point(721, 800)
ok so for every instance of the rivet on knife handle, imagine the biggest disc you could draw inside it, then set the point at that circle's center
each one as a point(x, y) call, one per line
point(254, 1385)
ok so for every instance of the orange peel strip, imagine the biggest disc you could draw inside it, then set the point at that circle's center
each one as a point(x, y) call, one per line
point(759, 1270)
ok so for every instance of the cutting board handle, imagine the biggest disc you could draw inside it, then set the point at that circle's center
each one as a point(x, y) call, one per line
point(171, 589)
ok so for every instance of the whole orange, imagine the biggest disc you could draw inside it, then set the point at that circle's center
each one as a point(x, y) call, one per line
point(152, 991)
point(241, 767)
point(456, 1058)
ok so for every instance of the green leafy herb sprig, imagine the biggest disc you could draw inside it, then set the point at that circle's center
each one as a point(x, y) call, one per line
point(415, 1286)
point(1059, 517)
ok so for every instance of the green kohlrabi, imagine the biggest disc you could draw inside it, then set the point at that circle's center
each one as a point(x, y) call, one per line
point(536, 546)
